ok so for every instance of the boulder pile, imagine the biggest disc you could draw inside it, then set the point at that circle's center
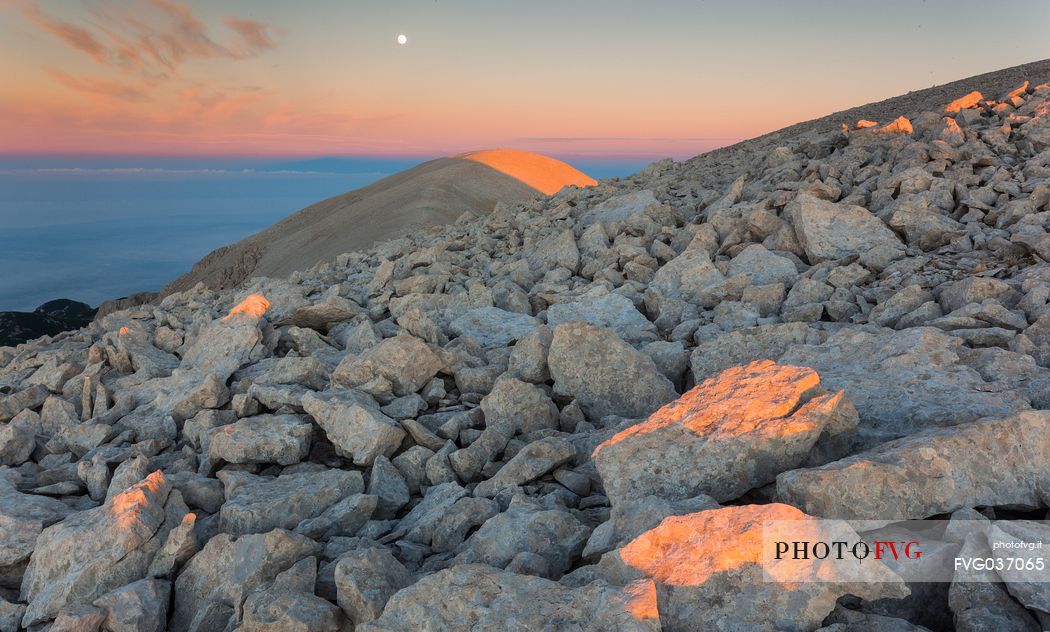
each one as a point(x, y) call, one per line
point(573, 414)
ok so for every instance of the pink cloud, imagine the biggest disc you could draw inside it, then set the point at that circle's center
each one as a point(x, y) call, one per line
point(154, 37)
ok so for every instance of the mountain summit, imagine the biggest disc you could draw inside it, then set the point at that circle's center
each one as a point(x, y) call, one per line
point(430, 194)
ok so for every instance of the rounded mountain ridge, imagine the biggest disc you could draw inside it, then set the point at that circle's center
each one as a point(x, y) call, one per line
point(430, 194)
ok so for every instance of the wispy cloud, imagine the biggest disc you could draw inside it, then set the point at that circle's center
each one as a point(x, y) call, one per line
point(72, 35)
point(98, 86)
point(153, 37)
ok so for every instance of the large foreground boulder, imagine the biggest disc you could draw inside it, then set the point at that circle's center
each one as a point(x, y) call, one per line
point(479, 597)
point(903, 381)
point(991, 462)
point(92, 552)
point(729, 434)
point(716, 570)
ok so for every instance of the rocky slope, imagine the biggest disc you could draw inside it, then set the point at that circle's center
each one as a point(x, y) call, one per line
point(576, 413)
point(433, 193)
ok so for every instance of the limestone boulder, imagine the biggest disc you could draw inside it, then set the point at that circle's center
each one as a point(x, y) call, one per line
point(479, 597)
point(830, 231)
point(493, 327)
point(729, 434)
point(902, 382)
point(605, 374)
point(280, 439)
point(92, 552)
point(990, 462)
point(405, 361)
point(716, 569)
point(612, 311)
point(259, 504)
point(211, 590)
point(354, 424)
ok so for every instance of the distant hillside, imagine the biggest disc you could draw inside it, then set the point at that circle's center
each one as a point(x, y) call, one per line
point(430, 194)
point(53, 317)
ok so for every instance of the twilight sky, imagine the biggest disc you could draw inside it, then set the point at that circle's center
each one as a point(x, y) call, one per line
point(584, 78)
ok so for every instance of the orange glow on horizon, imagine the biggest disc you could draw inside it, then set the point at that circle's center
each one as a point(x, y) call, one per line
point(255, 305)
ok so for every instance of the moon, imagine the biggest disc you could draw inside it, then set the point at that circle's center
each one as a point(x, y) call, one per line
point(401, 39)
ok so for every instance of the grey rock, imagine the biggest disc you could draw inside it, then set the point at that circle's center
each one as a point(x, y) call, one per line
point(993, 461)
point(405, 361)
point(827, 230)
point(974, 290)
point(141, 606)
point(365, 581)
point(419, 523)
point(10, 615)
point(519, 406)
point(387, 484)
point(344, 518)
point(82, 618)
point(95, 551)
point(756, 343)
point(480, 597)
point(555, 535)
point(466, 515)
point(18, 438)
point(493, 327)
point(612, 311)
point(762, 267)
point(281, 439)
point(354, 425)
point(531, 462)
point(902, 382)
point(528, 359)
point(289, 604)
point(604, 374)
point(257, 504)
point(212, 588)
point(28, 398)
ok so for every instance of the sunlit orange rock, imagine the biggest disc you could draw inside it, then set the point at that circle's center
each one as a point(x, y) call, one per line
point(964, 102)
point(951, 133)
point(719, 566)
point(544, 174)
point(900, 125)
point(865, 123)
point(127, 506)
point(123, 331)
point(255, 305)
point(729, 434)
point(640, 599)
point(1020, 91)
